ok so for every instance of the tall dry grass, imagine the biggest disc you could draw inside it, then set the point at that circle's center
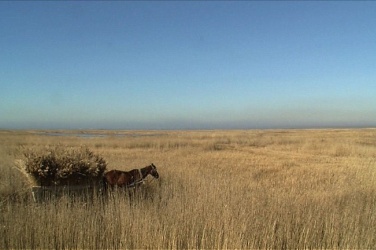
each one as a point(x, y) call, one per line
point(218, 189)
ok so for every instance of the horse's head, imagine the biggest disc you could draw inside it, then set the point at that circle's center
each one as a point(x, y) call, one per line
point(154, 171)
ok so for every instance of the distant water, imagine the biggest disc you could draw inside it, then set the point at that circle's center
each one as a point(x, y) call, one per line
point(98, 135)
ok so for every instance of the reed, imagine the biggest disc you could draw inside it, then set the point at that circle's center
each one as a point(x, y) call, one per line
point(217, 189)
point(59, 165)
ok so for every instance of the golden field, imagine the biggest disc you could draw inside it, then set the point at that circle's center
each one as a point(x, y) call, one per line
point(246, 189)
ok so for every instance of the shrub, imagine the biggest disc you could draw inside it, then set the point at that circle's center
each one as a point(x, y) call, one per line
point(59, 165)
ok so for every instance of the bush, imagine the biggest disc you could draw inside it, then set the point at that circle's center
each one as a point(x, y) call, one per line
point(64, 166)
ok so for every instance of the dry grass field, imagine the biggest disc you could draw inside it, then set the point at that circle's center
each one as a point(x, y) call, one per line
point(248, 189)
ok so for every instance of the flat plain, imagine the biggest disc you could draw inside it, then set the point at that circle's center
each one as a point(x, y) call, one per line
point(242, 189)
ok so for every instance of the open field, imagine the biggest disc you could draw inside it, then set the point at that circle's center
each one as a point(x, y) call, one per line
point(246, 189)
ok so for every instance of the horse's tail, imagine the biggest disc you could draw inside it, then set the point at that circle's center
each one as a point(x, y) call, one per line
point(104, 184)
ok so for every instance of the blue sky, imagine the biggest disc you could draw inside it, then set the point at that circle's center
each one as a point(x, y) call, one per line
point(187, 65)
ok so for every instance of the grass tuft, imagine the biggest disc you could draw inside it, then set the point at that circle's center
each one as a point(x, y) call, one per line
point(59, 165)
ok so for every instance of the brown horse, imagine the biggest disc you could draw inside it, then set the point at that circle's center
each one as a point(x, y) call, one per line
point(128, 179)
